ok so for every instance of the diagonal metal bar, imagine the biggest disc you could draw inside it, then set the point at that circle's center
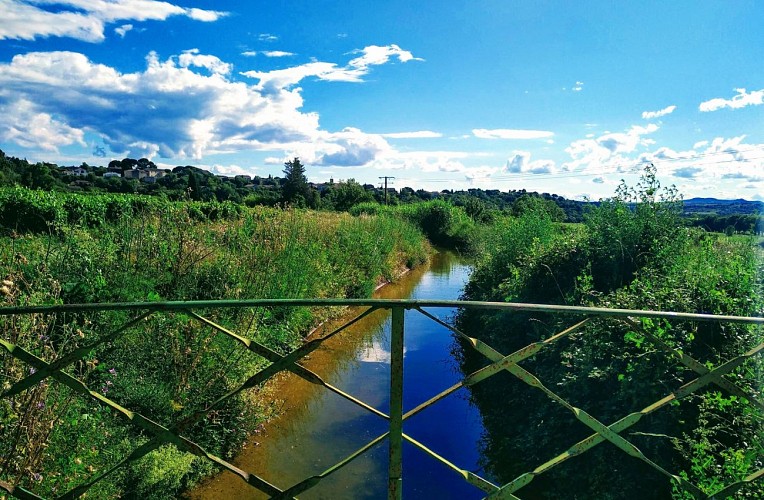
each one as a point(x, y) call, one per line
point(295, 368)
point(18, 492)
point(468, 476)
point(695, 365)
point(598, 427)
point(162, 433)
point(502, 363)
point(272, 369)
point(312, 481)
point(139, 452)
point(625, 423)
point(289, 362)
point(70, 358)
point(732, 488)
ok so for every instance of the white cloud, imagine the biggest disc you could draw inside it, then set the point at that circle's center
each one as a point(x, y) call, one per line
point(206, 16)
point(249, 53)
point(32, 128)
point(687, 172)
point(354, 71)
point(421, 134)
point(228, 170)
point(608, 151)
point(578, 87)
point(87, 19)
point(741, 100)
point(520, 162)
point(213, 64)
point(277, 53)
point(503, 133)
point(267, 37)
point(168, 109)
point(122, 30)
point(352, 147)
point(649, 115)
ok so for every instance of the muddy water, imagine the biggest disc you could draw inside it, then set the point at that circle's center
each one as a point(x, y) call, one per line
point(317, 428)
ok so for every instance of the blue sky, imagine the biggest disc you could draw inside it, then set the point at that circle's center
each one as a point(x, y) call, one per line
point(559, 97)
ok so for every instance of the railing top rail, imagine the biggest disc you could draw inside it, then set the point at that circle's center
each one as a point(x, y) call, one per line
point(378, 303)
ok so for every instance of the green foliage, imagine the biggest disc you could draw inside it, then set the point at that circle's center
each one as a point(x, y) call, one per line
point(632, 229)
point(527, 204)
point(632, 253)
point(130, 248)
point(444, 224)
point(345, 195)
point(295, 190)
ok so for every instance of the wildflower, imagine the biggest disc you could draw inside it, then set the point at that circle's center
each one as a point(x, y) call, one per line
point(36, 476)
point(112, 371)
point(41, 404)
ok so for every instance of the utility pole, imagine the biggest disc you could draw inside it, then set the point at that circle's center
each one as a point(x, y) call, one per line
point(385, 178)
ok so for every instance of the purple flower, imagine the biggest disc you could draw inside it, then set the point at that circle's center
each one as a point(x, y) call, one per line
point(112, 371)
point(32, 370)
point(41, 404)
point(36, 476)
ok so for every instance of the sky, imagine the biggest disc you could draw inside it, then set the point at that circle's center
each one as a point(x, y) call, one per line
point(549, 96)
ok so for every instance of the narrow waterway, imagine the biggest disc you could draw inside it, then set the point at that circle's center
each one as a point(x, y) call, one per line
point(317, 428)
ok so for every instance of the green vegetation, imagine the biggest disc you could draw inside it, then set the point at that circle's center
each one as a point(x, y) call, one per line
point(444, 224)
point(70, 248)
point(634, 252)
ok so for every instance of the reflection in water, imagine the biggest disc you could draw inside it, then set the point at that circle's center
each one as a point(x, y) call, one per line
point(317, 428)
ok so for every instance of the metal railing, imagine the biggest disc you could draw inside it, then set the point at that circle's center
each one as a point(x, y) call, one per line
point(40, 370)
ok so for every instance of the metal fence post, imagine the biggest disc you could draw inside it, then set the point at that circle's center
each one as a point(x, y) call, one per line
point(395, 471)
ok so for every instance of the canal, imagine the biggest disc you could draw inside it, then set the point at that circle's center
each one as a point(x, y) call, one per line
point(316, 428)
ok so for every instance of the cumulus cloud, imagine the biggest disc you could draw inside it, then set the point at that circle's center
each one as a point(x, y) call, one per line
point(649, 115)
point(267, 37)
point(503, 133)
point(28, 127)
point(608, 151)
point(184, 106)
point(122, 30)
point(354, 71)
point(192, 57)
point(85, 19)
point(352, 148)
point(741, 100)
point(168, 109)
point(578, 87)
point(520, 162)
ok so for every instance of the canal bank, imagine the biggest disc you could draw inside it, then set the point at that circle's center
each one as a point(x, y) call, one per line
point(316, 428)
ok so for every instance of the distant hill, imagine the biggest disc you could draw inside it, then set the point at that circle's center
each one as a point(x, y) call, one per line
point(722, 207)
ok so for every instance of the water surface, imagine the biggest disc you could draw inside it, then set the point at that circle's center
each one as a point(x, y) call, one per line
point(317, 428)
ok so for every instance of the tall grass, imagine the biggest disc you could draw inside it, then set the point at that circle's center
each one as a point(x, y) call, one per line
point(169, 366)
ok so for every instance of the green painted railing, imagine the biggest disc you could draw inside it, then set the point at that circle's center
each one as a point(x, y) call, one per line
point(40, 370)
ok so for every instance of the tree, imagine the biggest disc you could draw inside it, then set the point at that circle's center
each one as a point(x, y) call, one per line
point(345, 195)
point(194, 189)
point(528, 203)
point(295, 189)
